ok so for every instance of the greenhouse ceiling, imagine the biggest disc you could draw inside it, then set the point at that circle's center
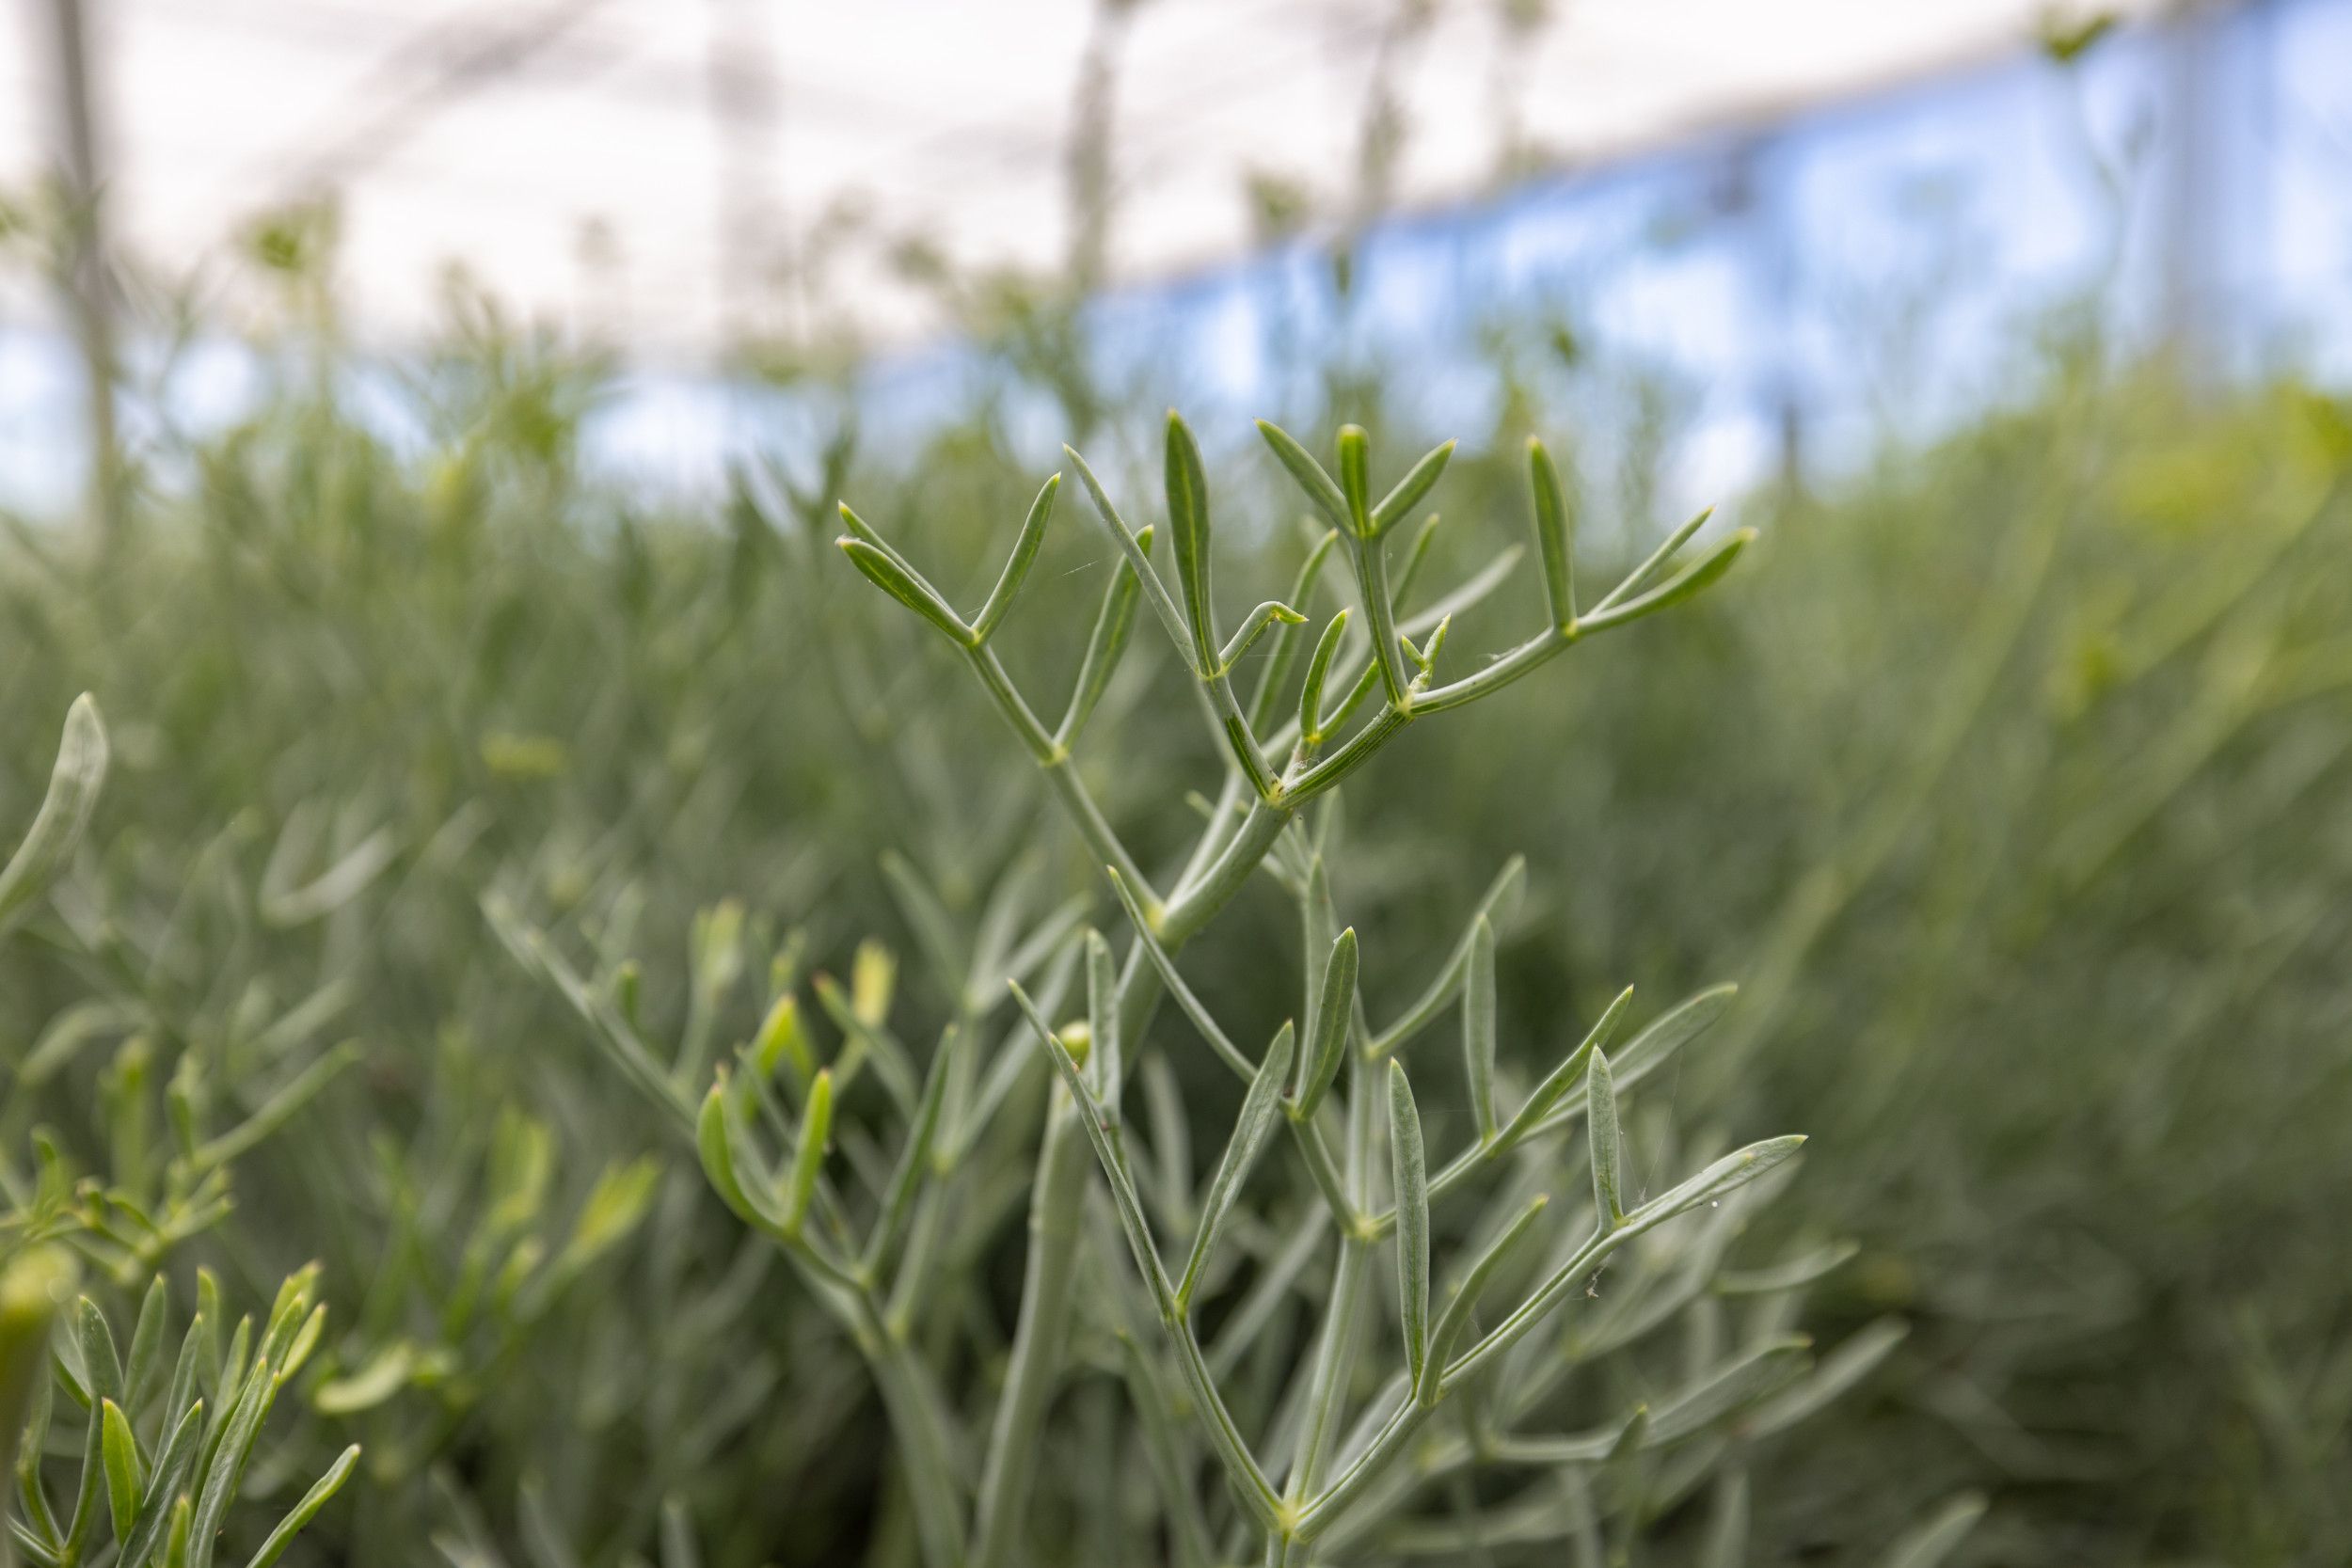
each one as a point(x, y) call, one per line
point(671, 174)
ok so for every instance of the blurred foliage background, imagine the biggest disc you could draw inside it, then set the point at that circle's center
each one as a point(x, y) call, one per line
point(2010, 775)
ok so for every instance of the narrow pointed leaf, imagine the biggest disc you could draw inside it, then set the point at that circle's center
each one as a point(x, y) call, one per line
point(1016, 570)
point(1728, 1388)
point(1335, 1010)
point(304, 1511)
point(74, 782)
point(1318, 668)
point(906, 1178)
point(1556, 533)
point(1457, 1316)
point(1478, 1028)
point(808, 1154)
point(1309, 476)
point(1107, 1152)
point(1409, 1170)
point(1600, 1122)
point(1417, 482)
point(1355, 480)
point(1188, 532)
point(1689, 584)
point(897, 576)
point(122, 1454)
point(147, 1345)
point(1726, 1176)
point(176, 1540)
point(1270, 613)
point(729, 1166)
point(1146, 579)
point(1432, 1001)
point(1649, 570)
point(170, 1481)
point(1249, 1134)
point(1113, 623)
point(102, 1369)
point(1839, 1370)
point(1563, 1077)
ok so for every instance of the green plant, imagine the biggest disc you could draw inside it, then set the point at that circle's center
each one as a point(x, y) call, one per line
point(159, 1472)
point(164, 1493)
point(1360, 1452)
point(2008, 784)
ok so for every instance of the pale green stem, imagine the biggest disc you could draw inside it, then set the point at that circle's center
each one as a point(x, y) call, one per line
point(1327, 1389)
point(1056, 1209)
point(1054, 763)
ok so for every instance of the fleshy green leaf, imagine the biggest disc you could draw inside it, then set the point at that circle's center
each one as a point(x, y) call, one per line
point(1688, 583)
point(1356, 479)
point(1188, 531)
point(1726, 1176)
point(1249, 1132)
point(1563, 1077)
point(1113, 623)
point(1727, 1389)
point(1409, 1170)
point(1107, 1152)
point(886, 573)
point(1649, 570)
point(1318, 669)
point(1163, 605)
point(1669, 1032)
point(1335, 1010)
point(1457, 1316)
point(170, 1481)
point(75, 781)
point(1600, 1120)
point(122, 1454)
point(1556, 533)
point(306, 1510)
point(1016, 571)
point(1309, 476)
point(1417, 482)
point(808, 1155)
point(1270, 613)
point(1478, 1028)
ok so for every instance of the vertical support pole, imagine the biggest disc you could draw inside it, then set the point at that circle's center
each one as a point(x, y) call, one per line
point(86, 284)
point(743, 117)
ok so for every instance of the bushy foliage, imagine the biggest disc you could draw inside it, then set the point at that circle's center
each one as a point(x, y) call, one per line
point(2009, 780)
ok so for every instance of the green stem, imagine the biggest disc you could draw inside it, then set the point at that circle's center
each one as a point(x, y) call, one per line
point(1528, 657)
point(913, 1408)
point(1053, 761)
point(1334, 1359)
point(1055, 1208)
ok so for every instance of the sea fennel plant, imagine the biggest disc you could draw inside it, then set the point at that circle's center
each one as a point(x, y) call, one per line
point(158, 1477)
point(1344, 1453)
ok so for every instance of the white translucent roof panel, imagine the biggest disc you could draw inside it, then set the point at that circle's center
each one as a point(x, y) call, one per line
point(574, 155)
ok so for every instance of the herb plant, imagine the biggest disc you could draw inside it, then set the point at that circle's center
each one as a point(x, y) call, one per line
point(1327, 1447)
point(158, 1476)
